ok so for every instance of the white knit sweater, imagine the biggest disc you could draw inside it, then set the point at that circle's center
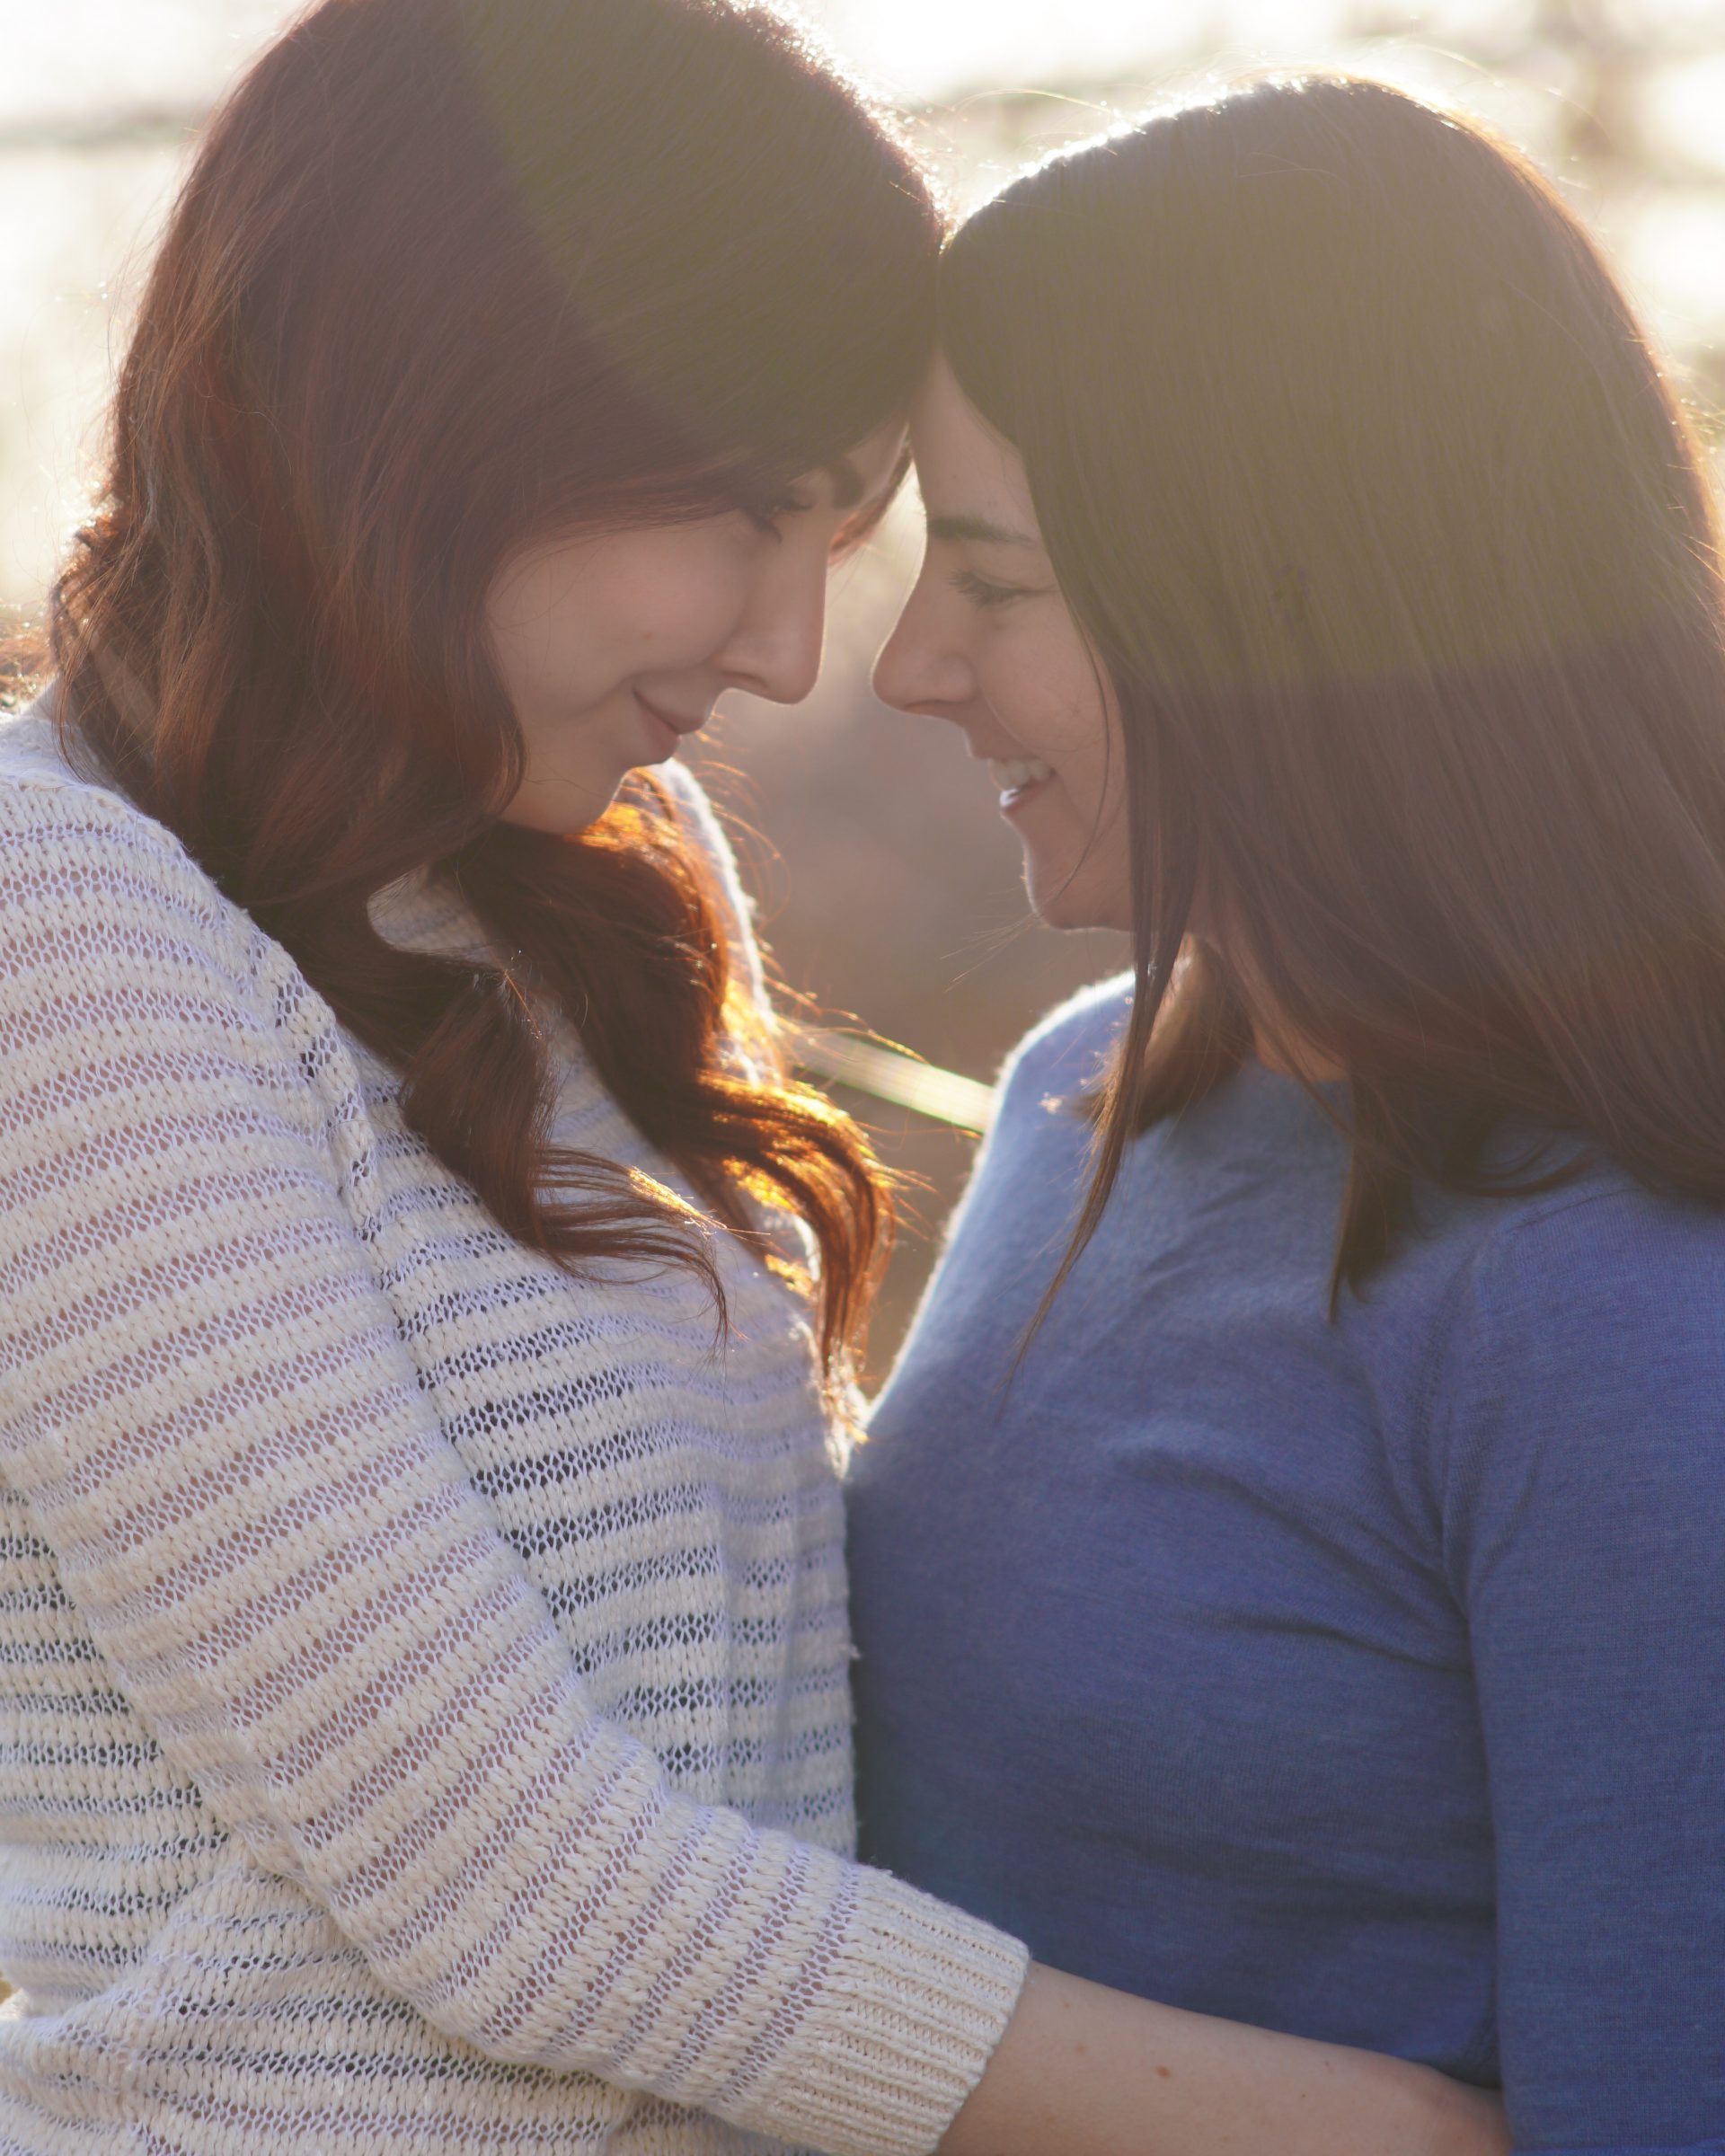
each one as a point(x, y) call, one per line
point(423, 1711)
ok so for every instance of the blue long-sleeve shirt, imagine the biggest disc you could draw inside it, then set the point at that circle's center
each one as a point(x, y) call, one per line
point(1363, 1680)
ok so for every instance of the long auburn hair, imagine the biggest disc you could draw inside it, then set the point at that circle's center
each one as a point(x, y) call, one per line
point(1399, 559)
point(447, 276)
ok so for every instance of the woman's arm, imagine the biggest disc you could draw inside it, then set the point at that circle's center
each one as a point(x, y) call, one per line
point(206, 1403)
point(208, 1408)
point(1577, 1463)
point(1084, 2070)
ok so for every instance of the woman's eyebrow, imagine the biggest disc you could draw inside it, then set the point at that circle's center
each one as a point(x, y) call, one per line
point(980, 530)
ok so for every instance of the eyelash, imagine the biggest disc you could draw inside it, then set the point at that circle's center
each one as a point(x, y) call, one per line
point(980, 592)
point(767, 515)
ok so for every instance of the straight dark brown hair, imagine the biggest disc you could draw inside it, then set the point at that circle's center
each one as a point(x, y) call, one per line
point(446, 276)
point(1401, 559)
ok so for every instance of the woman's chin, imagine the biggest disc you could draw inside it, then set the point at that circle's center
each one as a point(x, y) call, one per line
point(1075, 901)
point(560, 809)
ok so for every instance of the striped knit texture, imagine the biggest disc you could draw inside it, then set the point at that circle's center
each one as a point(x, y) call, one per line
point(424, 1720)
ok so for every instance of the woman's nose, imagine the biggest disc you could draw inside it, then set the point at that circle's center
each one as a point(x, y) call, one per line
point(775, 653)
point(917, 668)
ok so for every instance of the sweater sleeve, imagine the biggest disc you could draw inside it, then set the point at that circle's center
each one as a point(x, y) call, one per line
point(207, 1408)
point(1580, 1423)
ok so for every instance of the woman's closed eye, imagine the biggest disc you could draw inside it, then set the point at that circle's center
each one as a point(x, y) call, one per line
point(982, 591)
point(771, 516)
point(773, 510)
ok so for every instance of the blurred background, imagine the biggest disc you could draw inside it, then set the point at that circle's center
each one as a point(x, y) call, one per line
point(888, 885)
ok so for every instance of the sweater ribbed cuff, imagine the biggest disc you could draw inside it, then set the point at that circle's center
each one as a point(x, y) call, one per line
point(909, 2015)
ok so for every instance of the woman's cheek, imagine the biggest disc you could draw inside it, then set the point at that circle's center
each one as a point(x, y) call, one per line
point(1063, 723)
point(711, 603)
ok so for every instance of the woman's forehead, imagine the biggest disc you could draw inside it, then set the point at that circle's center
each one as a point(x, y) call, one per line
point(970, 474)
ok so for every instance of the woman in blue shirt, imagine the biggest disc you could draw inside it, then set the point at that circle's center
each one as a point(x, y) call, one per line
point(1287, 1561)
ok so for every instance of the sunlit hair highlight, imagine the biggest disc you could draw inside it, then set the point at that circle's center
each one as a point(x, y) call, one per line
point(1400, 560)
point(449, 277)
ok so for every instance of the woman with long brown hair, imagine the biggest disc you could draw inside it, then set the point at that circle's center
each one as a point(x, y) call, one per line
point(424, 1294)
point(1332, 580)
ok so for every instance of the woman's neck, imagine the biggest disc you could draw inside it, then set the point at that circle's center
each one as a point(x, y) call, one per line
point(1276, 1045)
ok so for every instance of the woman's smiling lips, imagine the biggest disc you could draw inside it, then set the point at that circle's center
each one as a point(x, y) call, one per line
point(668, 727)
point(1017, 778)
